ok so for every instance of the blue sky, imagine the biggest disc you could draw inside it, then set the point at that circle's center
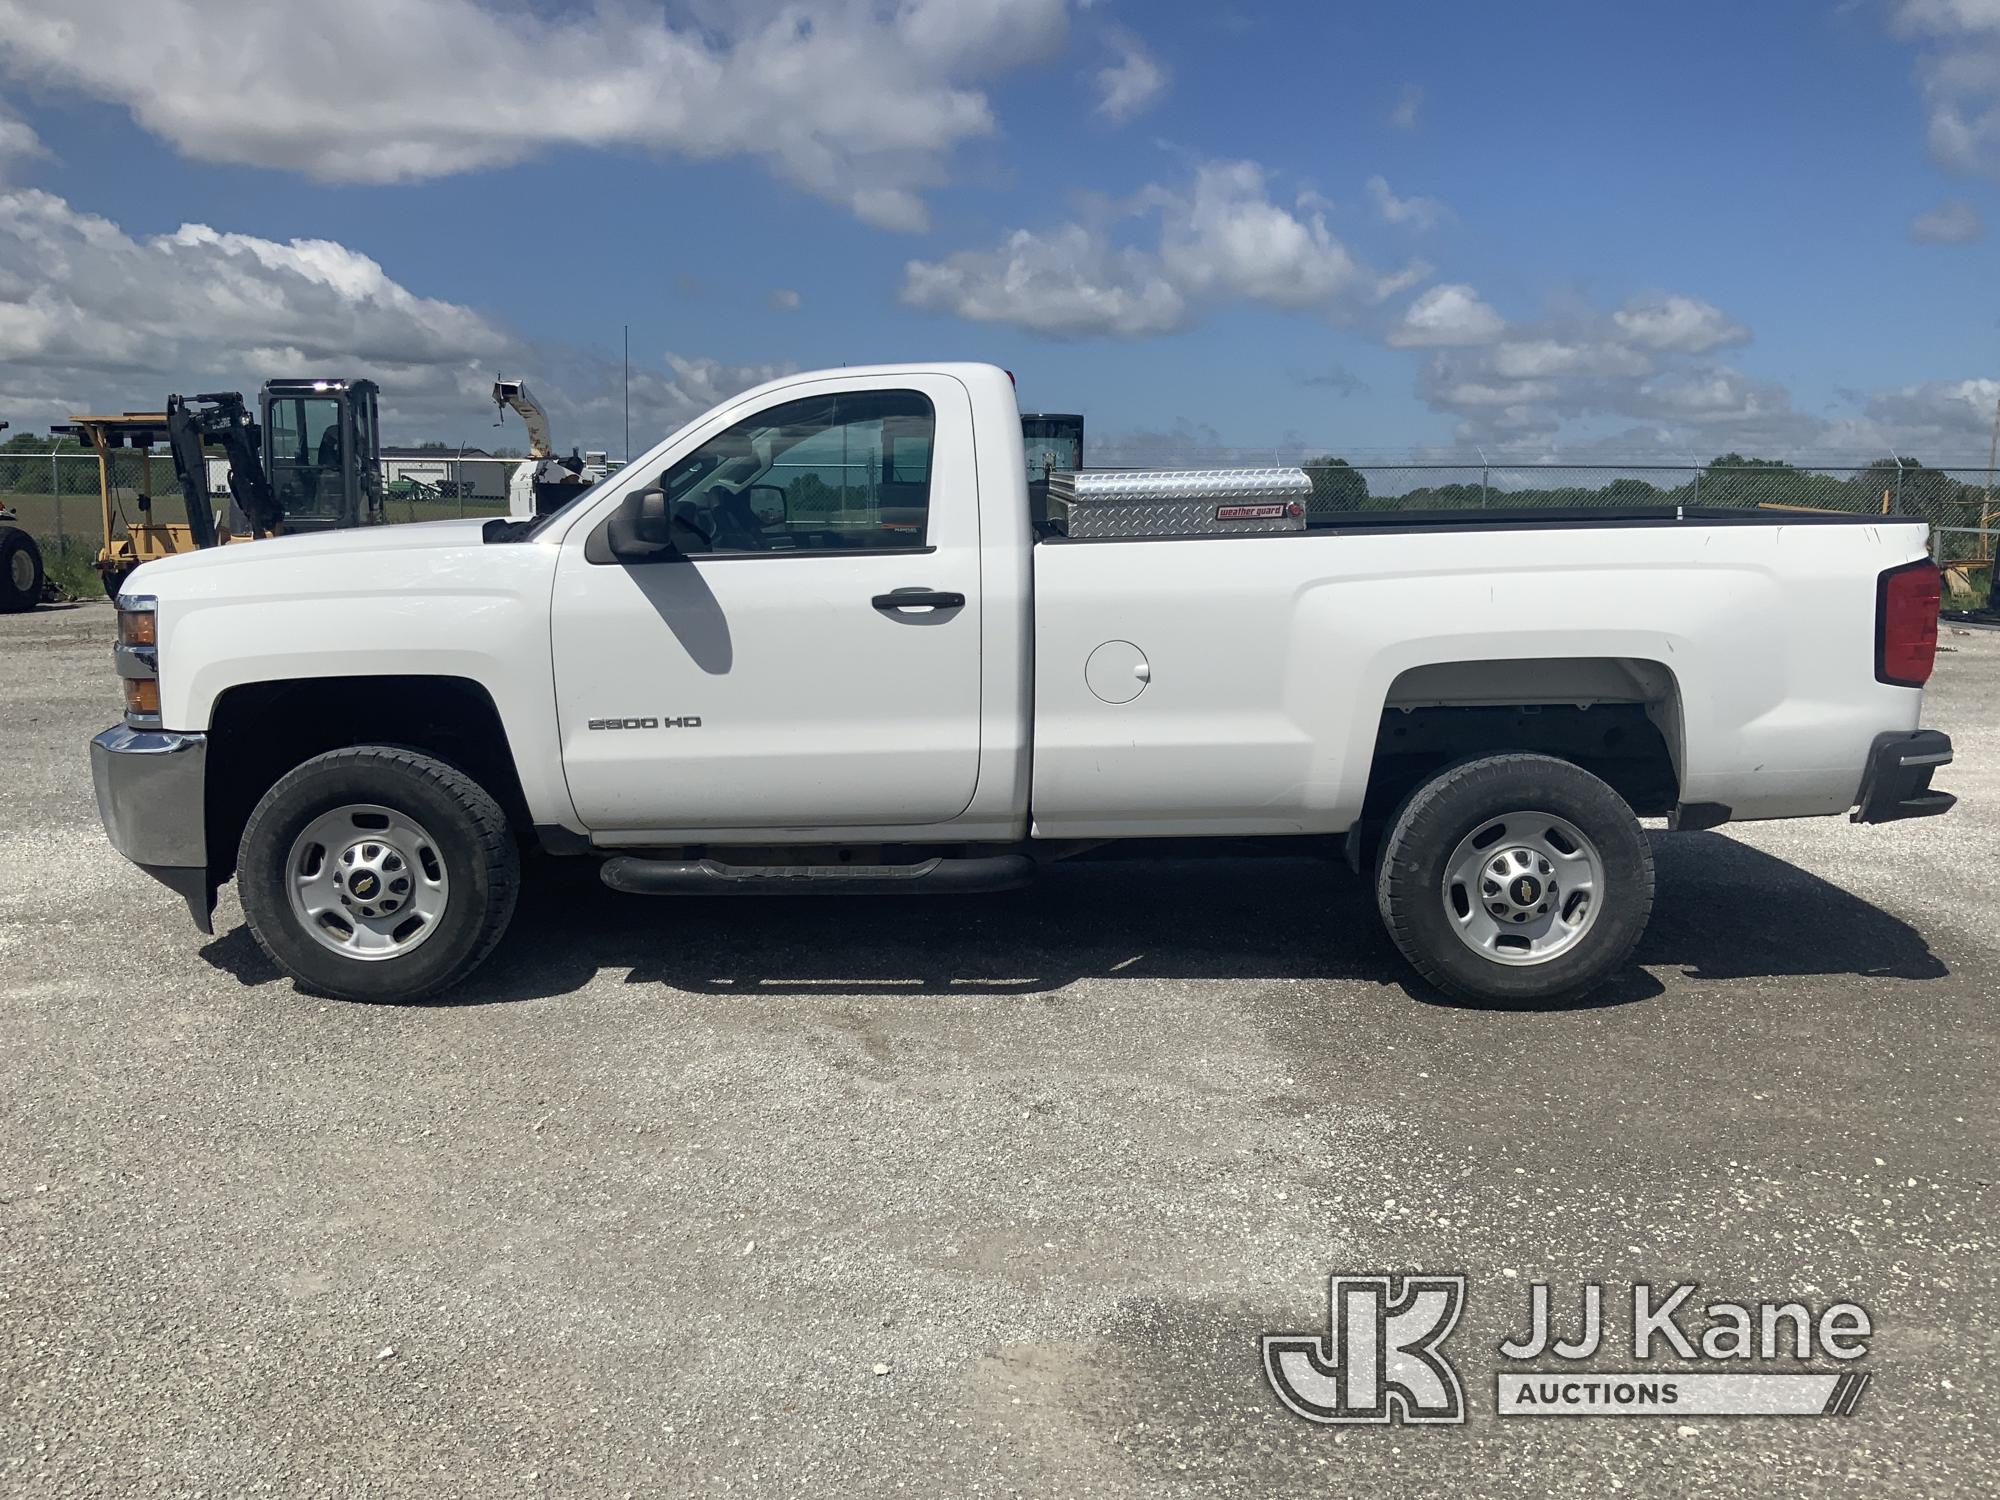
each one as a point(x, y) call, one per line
point(1530, 229)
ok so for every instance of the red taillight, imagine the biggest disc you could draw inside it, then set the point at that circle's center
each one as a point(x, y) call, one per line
point(1906, 623)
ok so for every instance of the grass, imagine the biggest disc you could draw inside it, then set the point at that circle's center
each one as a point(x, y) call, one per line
point(39, 514)
point(66, 562)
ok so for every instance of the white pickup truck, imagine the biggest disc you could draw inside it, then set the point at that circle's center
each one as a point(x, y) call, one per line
point(814, 641)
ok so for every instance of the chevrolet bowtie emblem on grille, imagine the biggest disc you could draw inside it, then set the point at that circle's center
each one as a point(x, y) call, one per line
point(1379, 1359)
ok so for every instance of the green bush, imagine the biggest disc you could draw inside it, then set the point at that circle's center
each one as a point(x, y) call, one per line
point(67, 563)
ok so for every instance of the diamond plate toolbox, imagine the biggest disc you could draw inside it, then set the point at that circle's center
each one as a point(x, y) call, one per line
point(1177, 502)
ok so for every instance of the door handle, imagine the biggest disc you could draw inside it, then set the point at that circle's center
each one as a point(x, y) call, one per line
point(918, 599)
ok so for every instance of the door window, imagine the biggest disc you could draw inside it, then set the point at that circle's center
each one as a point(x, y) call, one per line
point(843, 473)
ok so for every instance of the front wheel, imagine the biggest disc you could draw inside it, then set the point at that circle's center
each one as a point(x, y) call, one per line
point(377, 874)
point(1516, 878)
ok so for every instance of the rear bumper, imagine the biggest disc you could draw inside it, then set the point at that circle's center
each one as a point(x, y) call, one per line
point(151, 796)
point(1897, 783)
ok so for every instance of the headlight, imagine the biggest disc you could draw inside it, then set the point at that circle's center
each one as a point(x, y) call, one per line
point(137, 627)
point(137, 658)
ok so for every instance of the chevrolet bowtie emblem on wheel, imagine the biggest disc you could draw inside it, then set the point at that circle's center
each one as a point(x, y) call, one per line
point(1379, 1360)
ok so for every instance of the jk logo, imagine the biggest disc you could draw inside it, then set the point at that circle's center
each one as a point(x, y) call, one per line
point(1379, 1359)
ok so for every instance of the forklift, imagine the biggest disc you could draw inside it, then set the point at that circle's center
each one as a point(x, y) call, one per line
point(313, 464)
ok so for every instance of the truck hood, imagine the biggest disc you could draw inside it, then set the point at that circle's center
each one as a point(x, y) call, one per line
point(312, 547)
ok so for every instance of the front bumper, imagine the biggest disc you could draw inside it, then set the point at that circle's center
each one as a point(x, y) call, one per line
point(151, 796)
point(1897, 783)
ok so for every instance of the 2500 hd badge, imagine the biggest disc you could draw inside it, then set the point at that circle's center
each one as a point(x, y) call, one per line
point(686, 721)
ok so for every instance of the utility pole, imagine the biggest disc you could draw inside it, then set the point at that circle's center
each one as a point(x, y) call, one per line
point(1992, 452)
point(628, 393)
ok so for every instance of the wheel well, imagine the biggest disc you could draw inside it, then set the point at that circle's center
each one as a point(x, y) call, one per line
point(260, 730)
point(1618, 718)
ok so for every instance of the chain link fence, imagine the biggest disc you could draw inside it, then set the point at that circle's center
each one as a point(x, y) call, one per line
point(56, 494)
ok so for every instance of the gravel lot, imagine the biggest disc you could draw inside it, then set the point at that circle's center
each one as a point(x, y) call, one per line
point(651, 1205)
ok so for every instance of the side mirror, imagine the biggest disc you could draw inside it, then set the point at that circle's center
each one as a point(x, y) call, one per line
point(770, 504)
point(639, 531)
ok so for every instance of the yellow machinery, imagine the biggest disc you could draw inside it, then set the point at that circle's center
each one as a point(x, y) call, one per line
point(313, 464)
point(123, 445)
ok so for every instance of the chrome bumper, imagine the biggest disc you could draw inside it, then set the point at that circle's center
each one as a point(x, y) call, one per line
point(151, 796)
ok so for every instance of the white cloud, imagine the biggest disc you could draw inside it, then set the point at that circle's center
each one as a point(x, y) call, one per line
point(856, 102)
point(1409, 105)
point(1949, 15)
point(1416, 273)
point(784, 299)
point(1447, 316)
point(1686, 325)
point(1947, 418)
point(1708, 395)
point(1418, 213)
point(1514, 393)
point(1229, 239)
point(1133, 83)
point(1221, 239)
point(17, 142)
point(1959, 74)
point(1539, 358)
point(94, 318)
point(1952, 222)
point(1516, 385)
point(76, 290)
point(1065, 282)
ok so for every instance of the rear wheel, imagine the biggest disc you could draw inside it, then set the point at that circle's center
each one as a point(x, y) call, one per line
point(1515, 878)
point(377, 874)
point(20, 571)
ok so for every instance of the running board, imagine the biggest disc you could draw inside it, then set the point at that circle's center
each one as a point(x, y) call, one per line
point(937, 876)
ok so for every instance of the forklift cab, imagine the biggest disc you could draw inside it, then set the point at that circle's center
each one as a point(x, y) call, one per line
point(322, 452)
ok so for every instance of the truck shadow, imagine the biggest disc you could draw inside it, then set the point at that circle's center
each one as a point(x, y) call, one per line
point(1724, 911)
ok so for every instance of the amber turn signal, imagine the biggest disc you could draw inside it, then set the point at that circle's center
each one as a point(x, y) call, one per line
point(138, 627)
point(142, 695)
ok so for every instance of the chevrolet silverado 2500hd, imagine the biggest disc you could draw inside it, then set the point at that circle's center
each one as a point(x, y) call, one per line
point(813, 642)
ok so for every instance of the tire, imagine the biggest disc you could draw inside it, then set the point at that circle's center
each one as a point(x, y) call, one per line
point(1443, 873)
point(378, 816)
point(21, 571)
point(114, 581)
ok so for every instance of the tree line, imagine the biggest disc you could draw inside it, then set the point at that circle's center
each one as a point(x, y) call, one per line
point(1730, 481)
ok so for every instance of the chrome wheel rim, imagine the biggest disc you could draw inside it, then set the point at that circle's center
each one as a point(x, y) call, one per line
point(1523, 888)
point(367, 882)
point(22, 568)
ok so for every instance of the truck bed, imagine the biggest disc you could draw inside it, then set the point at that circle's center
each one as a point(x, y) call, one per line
point(1748, 638)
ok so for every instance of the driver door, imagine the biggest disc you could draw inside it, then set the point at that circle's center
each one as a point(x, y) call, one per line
point(765, 679)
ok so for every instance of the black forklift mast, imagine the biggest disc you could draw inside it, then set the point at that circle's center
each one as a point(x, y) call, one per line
point(220, 418)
